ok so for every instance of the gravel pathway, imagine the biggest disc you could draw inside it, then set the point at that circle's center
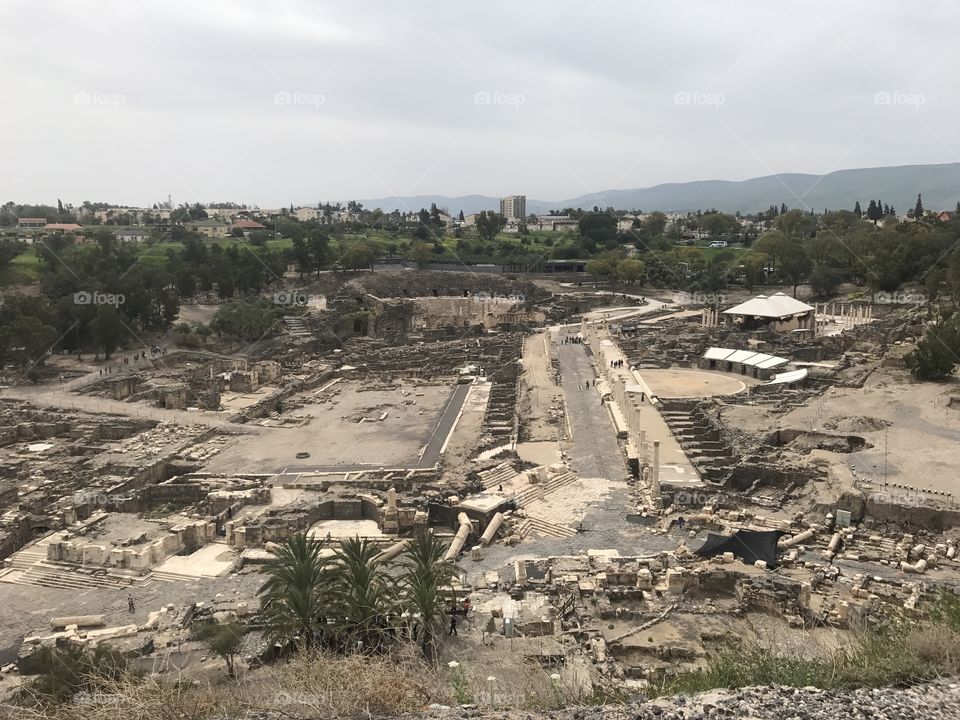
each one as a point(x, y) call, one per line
point(939, 701)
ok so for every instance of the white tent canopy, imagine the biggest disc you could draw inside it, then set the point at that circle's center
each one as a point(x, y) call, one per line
point(745, 357)
point(777, 305)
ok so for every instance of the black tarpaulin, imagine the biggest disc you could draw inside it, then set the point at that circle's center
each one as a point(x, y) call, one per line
point(748, 545)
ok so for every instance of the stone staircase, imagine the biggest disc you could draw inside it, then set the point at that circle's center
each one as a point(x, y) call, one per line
point(65, 577)
point(498, 475)
point(544, 528)
point(30, 566)
point(296, 327)
point(172, 577)
point(702, 443)
point(531, 493)
point(528, 496)
point(28, 557)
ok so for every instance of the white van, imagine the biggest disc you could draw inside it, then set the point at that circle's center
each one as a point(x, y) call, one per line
point(718, 244)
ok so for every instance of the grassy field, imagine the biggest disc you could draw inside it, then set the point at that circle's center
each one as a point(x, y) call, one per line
point(25, 268)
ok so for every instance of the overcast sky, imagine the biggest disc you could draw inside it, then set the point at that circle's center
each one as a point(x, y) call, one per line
point(291, 101)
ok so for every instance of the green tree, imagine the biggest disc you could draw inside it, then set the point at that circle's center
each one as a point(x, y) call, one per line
point(108, 329)
point(598, 229)
point(630, 271)
point(600, 268)
point(717, 224)
point(70, 669)
point(824, 281)
point(935, 356)
point(27, 341)
point(754, 270)
point(318, 246)
point(489, 224)
point(294, 597)
point(419, 252)
point(425, 574)
point(359, 255)
point(361, 594)
point(796, 224)
point(918, 208)
point(654, 224)
point(796, 265)
point(224, 641)
point(773, 245)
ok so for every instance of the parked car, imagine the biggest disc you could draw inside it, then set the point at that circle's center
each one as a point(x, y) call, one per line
point(718, 244)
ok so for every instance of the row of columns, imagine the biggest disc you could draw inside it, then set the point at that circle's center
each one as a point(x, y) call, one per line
point(630, 409)
point(710, 317)
point(847, 314)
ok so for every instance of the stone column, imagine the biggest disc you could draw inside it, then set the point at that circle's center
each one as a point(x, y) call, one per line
point(655, 485)
point(520, 572)
point(643, 446)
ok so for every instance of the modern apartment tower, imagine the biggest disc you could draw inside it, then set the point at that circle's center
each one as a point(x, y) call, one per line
point(514, 207)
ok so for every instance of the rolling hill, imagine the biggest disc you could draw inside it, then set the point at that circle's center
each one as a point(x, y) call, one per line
point(897, 186)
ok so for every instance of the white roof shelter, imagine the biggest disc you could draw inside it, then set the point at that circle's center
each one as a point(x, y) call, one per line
point(745, 357)
point(787, 378)
point(777, 305)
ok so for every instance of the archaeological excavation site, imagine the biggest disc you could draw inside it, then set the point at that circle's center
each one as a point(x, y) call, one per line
point(616, 487)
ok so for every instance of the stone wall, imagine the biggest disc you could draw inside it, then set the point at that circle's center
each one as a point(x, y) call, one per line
point(187, 537)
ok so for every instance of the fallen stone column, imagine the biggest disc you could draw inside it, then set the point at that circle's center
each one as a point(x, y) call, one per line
point(919, 568)
point(460, 539)
point(391, 552)
point(798, 538)
point(59, 623)
point(834, 543)
point(491, 532)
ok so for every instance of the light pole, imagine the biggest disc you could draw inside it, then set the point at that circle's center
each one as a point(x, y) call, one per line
point(885, 431)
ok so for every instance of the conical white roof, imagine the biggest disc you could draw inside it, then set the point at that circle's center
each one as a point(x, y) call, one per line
point(777, 305)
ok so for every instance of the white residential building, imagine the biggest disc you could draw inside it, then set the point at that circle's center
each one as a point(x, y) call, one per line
point(304, 214)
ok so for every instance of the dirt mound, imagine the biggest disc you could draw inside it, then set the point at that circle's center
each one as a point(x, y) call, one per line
point(859, 423)
point(806, 440)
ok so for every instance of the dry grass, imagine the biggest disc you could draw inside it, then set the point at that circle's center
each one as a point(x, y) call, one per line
point(936, 646)
point(319, 685)
point(906, 649)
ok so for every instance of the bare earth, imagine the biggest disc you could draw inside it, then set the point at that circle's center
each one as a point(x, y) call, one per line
point(538, 393)
point(912, 419)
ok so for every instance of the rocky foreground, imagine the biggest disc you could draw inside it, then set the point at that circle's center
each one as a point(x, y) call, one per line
point(925, 702)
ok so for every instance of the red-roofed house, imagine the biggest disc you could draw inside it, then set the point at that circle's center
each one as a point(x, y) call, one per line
point(246, 227)
point(63, 227)
point(946, 215)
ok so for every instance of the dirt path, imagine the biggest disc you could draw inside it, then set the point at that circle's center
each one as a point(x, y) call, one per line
point(538, 393)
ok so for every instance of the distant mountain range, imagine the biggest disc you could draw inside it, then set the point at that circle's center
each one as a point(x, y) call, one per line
point(897, 186)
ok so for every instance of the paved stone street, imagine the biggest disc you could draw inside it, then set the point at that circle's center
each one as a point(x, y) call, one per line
point(596, 457)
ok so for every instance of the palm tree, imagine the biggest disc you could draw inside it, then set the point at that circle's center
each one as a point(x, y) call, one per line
point(362, 595)
point(293, 597)
point(425, 573)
